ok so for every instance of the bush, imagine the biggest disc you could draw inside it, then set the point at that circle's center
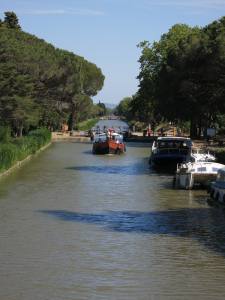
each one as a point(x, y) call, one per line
point(5, 134)
point(8, 156)
point(20, 148)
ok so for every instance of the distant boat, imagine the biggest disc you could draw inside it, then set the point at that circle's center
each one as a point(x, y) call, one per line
point(169, 151)
point(108, 143)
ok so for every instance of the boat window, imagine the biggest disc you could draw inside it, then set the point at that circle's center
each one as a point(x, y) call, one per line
point(118, 138)
point(215, 169)
point(100, 138)
point(202, 169)
point(161, 144)
point(192, 170)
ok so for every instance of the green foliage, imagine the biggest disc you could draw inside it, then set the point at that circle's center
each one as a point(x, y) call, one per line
point(182, 77)
point(42, 85)
point(124, 109)
point(8, 156)
point(11, 20)
point(5, 134)
point(20, 148)
point(102, 110)
point(41, 135)
point(87, 125)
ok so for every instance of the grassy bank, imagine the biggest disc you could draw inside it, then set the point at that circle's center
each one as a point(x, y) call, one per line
point(18, 149)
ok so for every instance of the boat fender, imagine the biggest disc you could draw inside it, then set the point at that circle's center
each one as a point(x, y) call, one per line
point(224, 199)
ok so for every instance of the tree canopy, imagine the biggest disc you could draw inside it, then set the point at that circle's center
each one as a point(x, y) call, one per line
point(39, 82)
point(182, 76)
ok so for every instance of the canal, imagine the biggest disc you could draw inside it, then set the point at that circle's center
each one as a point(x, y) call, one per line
point(78, 226)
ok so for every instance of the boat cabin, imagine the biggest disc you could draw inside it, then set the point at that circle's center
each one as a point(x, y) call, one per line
point(169, 151)
point(167, 145)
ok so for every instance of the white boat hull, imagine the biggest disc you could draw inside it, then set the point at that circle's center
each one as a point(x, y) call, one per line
point(202, 174)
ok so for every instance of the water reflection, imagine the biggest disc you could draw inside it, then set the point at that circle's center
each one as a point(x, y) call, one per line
point(203, 224)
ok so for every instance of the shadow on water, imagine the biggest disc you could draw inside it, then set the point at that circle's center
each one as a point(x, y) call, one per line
point(140, 168)
point(206, 225)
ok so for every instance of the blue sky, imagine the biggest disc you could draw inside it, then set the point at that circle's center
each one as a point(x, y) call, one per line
point(106, 32)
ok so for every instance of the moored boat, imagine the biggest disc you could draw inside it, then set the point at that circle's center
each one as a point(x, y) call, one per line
point(169, 151)
point(192, 174)
point(108, 143)
point(217, 188)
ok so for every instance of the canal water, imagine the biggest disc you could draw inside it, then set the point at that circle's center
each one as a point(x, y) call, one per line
point(78, 226)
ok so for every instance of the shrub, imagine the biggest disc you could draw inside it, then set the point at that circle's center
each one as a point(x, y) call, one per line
point(5, 134)
point(8, 155)
point(20, 148)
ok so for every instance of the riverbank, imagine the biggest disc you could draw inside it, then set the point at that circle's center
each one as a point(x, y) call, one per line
point(16, 151)
point(22, 162)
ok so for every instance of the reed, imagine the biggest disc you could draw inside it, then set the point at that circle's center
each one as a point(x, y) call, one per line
point(19, 148)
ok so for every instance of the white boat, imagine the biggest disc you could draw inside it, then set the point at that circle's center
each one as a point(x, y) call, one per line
point(200, 173)
point(200, 155)
point(217, 188)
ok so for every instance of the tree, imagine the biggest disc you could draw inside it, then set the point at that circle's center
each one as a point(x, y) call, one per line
point(182, 76)
point(102, 109)
point(11, 20)
point(124, 108)
point(35, 78)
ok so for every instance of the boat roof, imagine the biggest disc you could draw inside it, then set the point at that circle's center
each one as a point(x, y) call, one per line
point(208, 163)
point(173, 138)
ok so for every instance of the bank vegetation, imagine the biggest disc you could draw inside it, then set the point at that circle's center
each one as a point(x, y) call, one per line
point(181, 80)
